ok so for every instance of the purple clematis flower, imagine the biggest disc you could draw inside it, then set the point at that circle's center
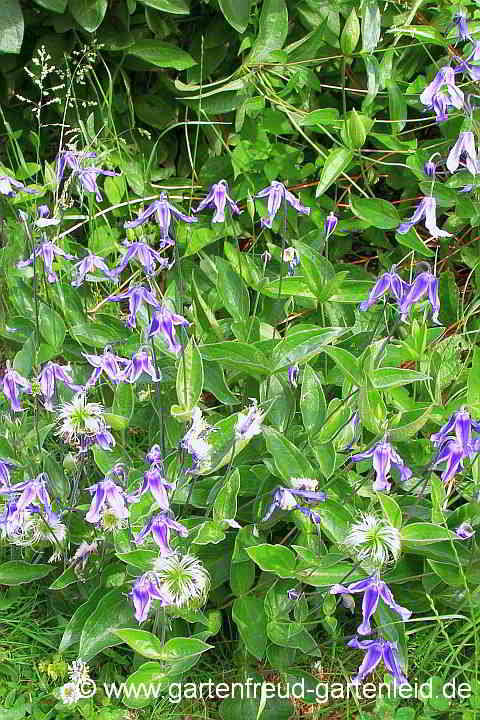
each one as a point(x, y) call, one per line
point(453, 453)
point(470, 64)
point(218, 198)
point(11, 521)
point(430, 169)
point(293, 373)
point(32, 490)
point(442, 93)
point(424, 283)
point(426, 209)
point(87, 178)
point(330, 224)
point(146, 589)
point(108, 363)
point(159, 526)
point(12, 380)
point(277, 194)
point(43, 217)
point(460, 21)
point(47, 251)
point(154, 480)
point(465, 531)
point(146, 256)
point(388, 281)
point(139, 363)
point(384, 457)
point(87, 265)
point(377, 650)
point(373, 589)
point(163, 322)
point(154, 456)
point(7, 185)
point(464, 147)
point(249, 424)
point(194, 439)
point(106, 494)
point(135, 295)
point(288, 499)
point(49, 375)
point(71, 159)
point(163, 212)
point(5, 467)
point(461, 423)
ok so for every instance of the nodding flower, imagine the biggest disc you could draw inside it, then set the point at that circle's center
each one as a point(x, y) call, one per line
point(442, 93)
point(277, 194)
point(389, 281)
point(47, 251)
point(427, 208)
point(464, 148)
point(424, 284)
point(163, 211)
point(136, 295)
point(13, 382)
point(218, 198)
point(384, 457)
point(376, 650)
point(145, 255)
point(159, 527)
point(373, 588)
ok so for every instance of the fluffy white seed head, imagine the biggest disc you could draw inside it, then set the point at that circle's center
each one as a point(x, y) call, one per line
point(374, 540)
point(184, 578)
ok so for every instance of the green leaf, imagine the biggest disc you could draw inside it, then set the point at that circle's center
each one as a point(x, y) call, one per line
point(312, 401)
point(423, 533)
point(11, 26)
point(248, 614)
point(420, 32)
point(124, 401)
point(302, 345)
point(318, 271)
point(51, 327)
point(73, 631)
point(175, 7)
point(58, 6)
point(236, 12)
point(225, 506)
point(142, 642)
point(349, 365)
point(100, 333)
point(397, 106)
point(289, 460)
point(413, 241)
point(238, 355)
point(391, 510)
point(376, 212)
point(114, 611)
point(17, 572)
point(209, 533)
point(276, 559)
point(233, 291)
point(162, 54)
point(336, 162)
point(189, 376)
point(272, 32)
point(395, 377)
point(88, 13)
point(290, 634)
